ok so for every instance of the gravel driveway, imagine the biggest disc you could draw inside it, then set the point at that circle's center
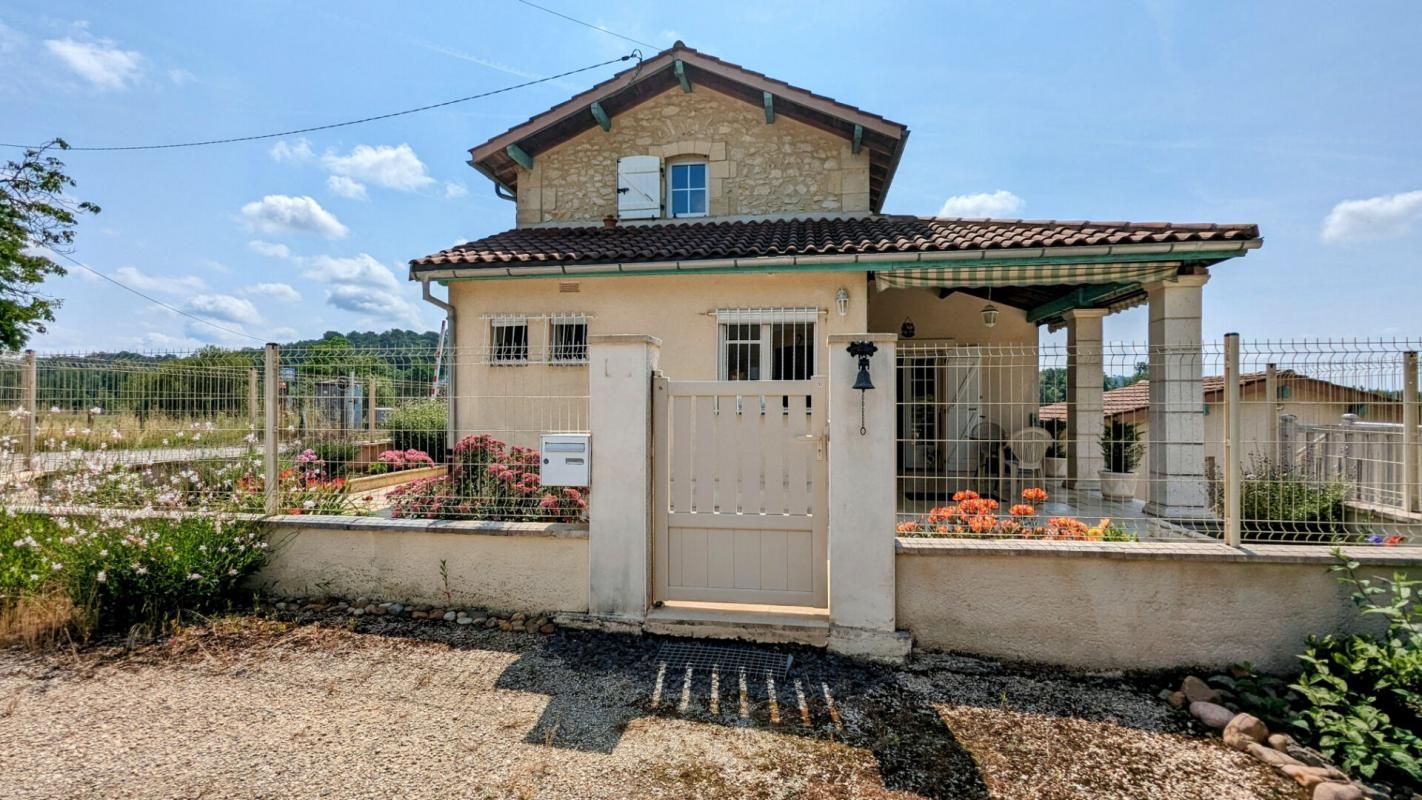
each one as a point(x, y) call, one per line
point(253, 707)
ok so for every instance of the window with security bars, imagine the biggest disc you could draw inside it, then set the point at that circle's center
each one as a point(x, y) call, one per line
point(509, 338)
point(767, 345)
point(568, 341)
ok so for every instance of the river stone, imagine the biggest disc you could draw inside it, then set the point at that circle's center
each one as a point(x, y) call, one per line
point(1197, 691)
point(546, 629)
point(1176, 698)
point(1337, 791)
point(1244, 730)
point(1309, 777)
point(1211, 714)
point(450, 616)
point(1270, 756)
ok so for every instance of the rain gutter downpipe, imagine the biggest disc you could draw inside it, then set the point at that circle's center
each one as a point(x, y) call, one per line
point(452, 353)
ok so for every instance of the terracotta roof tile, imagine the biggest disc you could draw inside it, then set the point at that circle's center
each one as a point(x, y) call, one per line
point(708, 239)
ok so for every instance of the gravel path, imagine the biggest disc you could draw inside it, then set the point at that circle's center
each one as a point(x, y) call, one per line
point(265, 708)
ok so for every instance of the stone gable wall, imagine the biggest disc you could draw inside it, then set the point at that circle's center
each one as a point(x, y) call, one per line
point(754, 167)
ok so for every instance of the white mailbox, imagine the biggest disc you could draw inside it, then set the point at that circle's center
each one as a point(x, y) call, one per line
point(567, 459)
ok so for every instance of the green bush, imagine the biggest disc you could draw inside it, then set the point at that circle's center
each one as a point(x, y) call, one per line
point(1361, 695)
point(420, 426)
point(339, 456)
point(1278, 500)
point(117, 571)
point(1121, 447)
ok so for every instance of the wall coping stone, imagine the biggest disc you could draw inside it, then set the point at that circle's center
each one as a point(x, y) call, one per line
point(1160, 551)
point(555, 530)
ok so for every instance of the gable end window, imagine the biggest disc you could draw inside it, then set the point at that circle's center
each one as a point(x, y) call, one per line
point(687, 189)
point(509, 341)
point(568, 340)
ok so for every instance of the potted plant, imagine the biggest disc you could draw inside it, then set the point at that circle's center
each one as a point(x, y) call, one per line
point(1055, 464)
point(1121, 448)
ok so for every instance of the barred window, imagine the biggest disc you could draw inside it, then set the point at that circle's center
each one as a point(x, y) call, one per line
point(509, 338)
point(568, 340)
point(767, 344)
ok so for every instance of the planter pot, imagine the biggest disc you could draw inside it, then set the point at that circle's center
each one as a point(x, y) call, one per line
point(1117, 485)
point(1054, 467)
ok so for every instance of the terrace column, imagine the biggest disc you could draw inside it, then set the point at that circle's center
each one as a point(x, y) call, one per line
point(863, 503)
point(1085, 409)
point(1176, 416)
point(620, 371)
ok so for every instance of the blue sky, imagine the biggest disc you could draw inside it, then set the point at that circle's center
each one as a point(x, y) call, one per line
point(1300, 116)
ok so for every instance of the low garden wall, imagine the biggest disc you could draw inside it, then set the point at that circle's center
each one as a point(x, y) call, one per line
point(1127, 606)
point(521, 566)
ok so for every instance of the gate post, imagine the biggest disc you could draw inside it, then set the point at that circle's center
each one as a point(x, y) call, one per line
point(863, 502)
point(620, 368)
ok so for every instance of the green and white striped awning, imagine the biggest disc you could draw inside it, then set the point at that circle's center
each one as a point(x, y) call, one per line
point(985, 274)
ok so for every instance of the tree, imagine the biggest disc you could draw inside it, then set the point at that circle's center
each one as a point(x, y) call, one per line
point(37, 217)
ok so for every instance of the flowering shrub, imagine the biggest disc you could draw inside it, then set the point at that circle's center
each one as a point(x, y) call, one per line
point(972, 515)
point(489, 480)
point(405, 459)
point(118, 570)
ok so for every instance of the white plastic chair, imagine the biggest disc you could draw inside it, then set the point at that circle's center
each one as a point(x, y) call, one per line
point(1022, 454)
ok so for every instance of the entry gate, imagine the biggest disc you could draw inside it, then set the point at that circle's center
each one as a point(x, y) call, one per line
point(741, 492)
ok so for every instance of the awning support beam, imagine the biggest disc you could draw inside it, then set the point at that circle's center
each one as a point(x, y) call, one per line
point(520, 156)
point(679, 67)
point(1081, 298)
point(601, 116)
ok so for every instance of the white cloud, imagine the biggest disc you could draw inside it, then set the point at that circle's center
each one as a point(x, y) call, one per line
point(362, 270)
point(98, 61)
point(224, 308)
point(345, 187)
point(144, 282)
point(391, 167)
point(277, 291)
point(297, 153)
point(279, 213)
point(181, 77)
point(158, 341)
point(363, 285)
point(1387, 216)
point(454, 189)
point(269, 249)
point(1000, 203)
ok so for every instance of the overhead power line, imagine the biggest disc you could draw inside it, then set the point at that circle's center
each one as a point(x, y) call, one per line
point(589, 25)
point(361, 121)
point(76, 262)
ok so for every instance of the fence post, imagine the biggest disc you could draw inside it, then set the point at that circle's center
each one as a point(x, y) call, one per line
point(29, 388)
point(1287, 434)
point(253, 398)
point(1232, 466)
point(271, 435)
point(370, 406)
point(1411, 450)
point(1271, 409)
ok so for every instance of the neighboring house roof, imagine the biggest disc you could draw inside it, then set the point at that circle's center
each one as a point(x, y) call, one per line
point(883, 138)
point(814, 237)
point(1136, 397)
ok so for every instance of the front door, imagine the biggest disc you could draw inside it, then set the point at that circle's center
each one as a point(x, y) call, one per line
point(741, 492)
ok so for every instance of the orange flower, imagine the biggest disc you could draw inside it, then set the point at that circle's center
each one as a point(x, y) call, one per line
point(965, 494)
point(1035, 495)
point(1022, 510)
point(907, 527)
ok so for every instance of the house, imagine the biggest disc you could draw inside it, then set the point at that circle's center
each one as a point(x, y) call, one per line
point(1271, 433)
point(734, 224)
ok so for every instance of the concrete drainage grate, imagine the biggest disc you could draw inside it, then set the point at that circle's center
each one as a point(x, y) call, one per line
point(725, 659)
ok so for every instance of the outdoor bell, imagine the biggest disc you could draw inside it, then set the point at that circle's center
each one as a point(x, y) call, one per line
point(862, 351)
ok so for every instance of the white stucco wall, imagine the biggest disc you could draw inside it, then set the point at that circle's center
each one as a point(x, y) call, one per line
point(501, 566)
point(1136, 606)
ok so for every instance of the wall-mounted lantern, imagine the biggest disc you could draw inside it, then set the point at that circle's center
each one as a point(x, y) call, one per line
point(989, 315)
point(862, 351)
point(841, 301)
point(907, 330)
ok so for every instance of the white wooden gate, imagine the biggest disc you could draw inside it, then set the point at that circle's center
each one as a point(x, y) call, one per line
point(741, 492)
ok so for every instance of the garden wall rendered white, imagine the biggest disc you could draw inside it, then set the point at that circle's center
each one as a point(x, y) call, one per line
point(501, 566)
point(1126, 606)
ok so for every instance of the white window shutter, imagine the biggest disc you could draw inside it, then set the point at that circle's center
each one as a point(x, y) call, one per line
point(639, 187)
